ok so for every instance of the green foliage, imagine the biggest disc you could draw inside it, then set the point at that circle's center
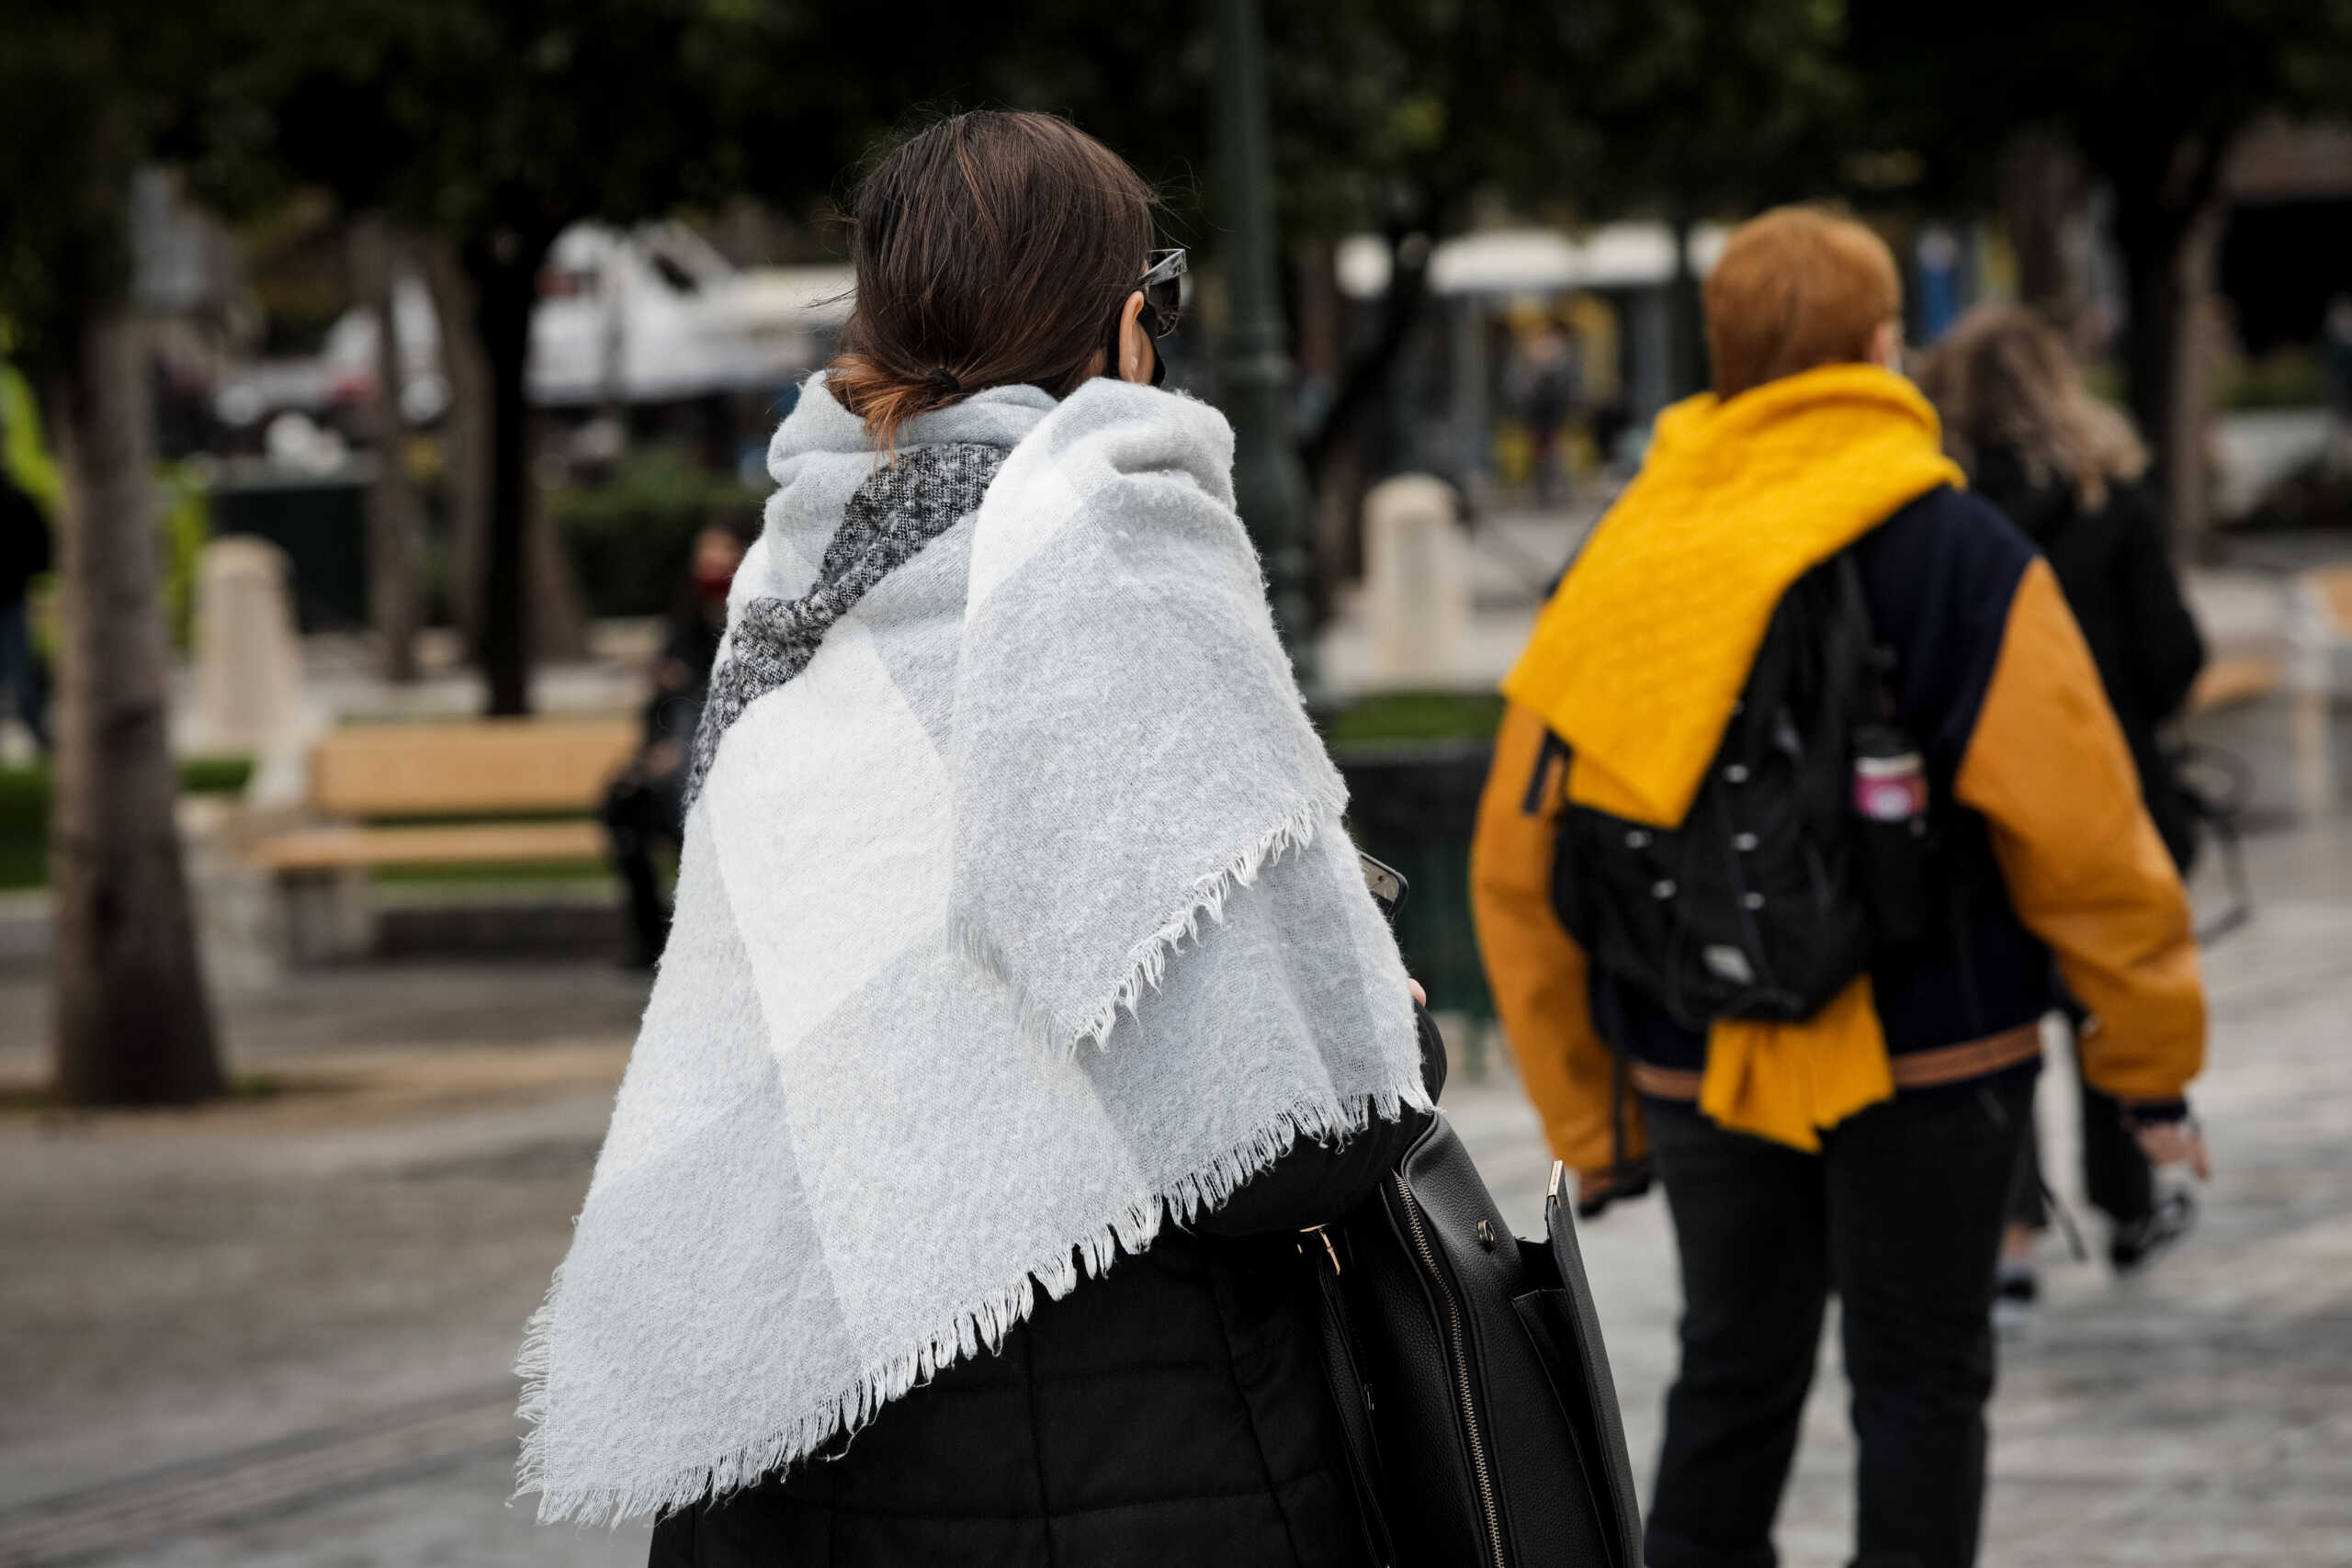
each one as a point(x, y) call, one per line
point(2284, 378)
point(24, 811)
point(215, 776)
point(2151, 98)
point(50, 242)
point(631, 537)
point(24, 827)
point(1410, 110)
point(481, 119)
point(1699, 109)
point(187, 523)
point(1394, 719)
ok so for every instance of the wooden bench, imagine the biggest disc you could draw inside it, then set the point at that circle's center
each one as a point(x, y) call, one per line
point(381, 787)
point(2233, 680)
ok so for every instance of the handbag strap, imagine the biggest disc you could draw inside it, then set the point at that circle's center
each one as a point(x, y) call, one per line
point(1349, 1395)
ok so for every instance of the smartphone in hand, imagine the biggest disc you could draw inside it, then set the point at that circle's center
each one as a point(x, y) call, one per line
point(1387, 883)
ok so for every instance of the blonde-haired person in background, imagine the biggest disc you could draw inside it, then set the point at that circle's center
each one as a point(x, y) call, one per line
point(1867, 1148)
point(2067, 469)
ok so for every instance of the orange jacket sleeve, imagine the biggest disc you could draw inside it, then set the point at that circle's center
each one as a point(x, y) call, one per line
point(2047, 766)
point(1533, 966)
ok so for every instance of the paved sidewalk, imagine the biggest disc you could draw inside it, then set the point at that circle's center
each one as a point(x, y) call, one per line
point(277, 1333)
point(340, 1271)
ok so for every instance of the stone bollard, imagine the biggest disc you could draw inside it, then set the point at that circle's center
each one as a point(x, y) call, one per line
point(248, 663)
point(240, 918)
point(250, 703)
point(1417, 581)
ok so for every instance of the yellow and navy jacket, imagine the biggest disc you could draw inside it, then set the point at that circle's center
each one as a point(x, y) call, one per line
point(2058, 877)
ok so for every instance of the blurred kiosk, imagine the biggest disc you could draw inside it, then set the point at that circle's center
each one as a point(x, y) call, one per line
point(1417, 581)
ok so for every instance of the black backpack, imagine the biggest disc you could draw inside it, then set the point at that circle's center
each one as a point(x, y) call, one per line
point(1775, 890)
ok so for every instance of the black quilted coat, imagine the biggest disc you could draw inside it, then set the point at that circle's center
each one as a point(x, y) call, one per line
point(1172, 1413)
point(2115, 567)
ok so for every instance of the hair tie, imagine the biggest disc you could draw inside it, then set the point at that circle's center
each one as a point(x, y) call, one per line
point(947, 380)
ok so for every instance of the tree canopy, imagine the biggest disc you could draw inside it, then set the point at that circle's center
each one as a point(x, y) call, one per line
point(2152, 99)
point(88, 91)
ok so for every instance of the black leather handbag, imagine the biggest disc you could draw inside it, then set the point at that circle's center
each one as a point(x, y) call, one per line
point(1481, 1421)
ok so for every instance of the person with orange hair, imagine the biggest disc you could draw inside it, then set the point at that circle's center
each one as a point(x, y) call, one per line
point(1805, 797)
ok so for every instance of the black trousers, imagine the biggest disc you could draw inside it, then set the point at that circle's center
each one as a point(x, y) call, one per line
point(643, 810)
point(1901, 1214)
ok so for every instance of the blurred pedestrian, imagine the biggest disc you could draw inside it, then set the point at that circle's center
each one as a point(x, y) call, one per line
point(2067, 469)
point(645, 805)
point(1540, 385)
point(956, 1126)
point(1805, 779)
point(2336, 354)
point(29, 497)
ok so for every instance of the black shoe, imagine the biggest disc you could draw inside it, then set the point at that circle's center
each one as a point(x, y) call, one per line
point(2013, 1299)
point(2133, 1242)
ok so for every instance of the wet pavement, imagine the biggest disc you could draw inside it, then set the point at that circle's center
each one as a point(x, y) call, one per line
point(277, 1332)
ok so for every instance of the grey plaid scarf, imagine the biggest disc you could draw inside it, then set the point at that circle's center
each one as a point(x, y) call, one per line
point(994, 725)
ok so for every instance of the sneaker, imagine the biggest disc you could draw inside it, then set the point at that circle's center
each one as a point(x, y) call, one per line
point(2013, 1300)
point(2133, 1242)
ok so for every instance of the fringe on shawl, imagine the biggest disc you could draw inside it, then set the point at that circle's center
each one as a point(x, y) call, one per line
point(1146, 961)
point(982, 1325)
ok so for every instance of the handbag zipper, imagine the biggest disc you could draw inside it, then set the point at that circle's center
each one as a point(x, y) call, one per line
point(1480, 1472)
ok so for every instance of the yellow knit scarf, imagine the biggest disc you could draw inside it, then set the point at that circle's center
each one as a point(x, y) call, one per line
point(1638, 659)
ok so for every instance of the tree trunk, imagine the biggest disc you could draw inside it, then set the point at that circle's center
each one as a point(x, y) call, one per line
point(559, 610)
point(395, 512)
point(2043, 187)
point(468, 443)
point(1686, 314)
point(2168, 220)
point(528, 604)
point(1338, 513)
point(2168, 256)
point(132, 1026)
point(1318, 347)
point(2187, 446)
point(1409, 249)
point(505, 288)
point(2152, 274)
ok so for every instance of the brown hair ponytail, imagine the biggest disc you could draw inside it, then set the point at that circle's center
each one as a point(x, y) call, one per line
point(991, 249)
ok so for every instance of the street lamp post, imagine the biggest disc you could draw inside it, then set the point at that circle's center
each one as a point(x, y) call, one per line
point(1253, 371)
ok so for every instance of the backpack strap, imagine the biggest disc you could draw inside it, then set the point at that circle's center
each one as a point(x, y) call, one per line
point(1854, 605)
point(1552, 749)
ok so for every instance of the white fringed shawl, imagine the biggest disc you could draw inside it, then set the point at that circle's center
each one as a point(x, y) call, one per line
point(939, 1021)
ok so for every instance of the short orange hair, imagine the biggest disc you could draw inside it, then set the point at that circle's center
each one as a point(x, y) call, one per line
point(1796, 287)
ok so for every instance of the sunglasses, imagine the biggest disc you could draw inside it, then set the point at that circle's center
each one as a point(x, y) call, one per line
point(1163, 292)
point(1163, 305)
